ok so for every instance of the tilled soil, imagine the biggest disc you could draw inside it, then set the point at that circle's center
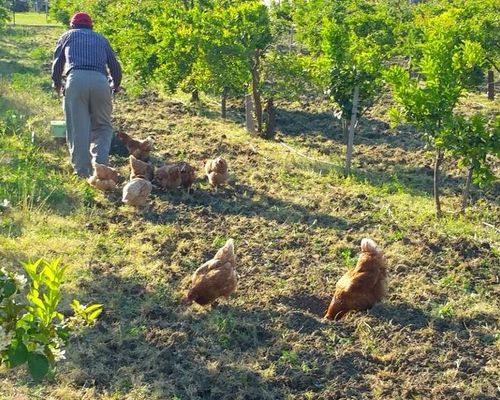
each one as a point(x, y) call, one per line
point(435, 336)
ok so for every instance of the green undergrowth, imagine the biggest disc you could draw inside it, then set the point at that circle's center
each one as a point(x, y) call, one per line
point(33, 19)
point(32, 179)
point(297, 223)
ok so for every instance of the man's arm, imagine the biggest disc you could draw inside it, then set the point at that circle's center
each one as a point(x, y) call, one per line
point(58, 64)
point(114, 67)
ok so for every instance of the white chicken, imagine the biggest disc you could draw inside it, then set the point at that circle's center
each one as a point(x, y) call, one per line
point(136, 192)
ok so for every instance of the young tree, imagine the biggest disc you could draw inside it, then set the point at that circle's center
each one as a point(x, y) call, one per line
point(127, 24)
point(475, 142)
point(212, 46)
point(286, 77)
point(223, 68)
point(479, 22)
point(286, 70)
point(177, 47)
point(427, 98)
point(350, 40)
point(252, 26)
point(62, 10)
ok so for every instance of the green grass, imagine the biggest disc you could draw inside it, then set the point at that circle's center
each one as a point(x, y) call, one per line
point(33, 19)
point(297, 224)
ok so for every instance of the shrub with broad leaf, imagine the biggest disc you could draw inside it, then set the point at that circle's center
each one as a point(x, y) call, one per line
point(32, 330)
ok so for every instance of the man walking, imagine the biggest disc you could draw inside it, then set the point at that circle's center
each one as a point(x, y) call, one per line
point(86, 59)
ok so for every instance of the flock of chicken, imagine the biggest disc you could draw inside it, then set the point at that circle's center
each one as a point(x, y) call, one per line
point(143, 174)
point(358, 289)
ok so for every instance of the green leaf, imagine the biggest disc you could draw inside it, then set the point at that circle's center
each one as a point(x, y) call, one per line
point(38, 365)
point(63, 333)
point(92, 307)
point(9, 288)
point(75, 305)
point(31, 269)
point(20, 332)
point(18, 355)
point(41, 337)
point(94, 315)
point(38, 303)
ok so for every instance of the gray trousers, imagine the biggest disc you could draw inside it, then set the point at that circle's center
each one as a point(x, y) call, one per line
point(87, 109)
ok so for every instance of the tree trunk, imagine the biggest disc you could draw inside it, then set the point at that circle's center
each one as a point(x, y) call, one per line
point(491, 85)
point(195, 96)
point(271, 118)
point(350, 139)
point(465, 196)
point(249, 123)
point(437, 163)
point(223, 101)
point(255, 90)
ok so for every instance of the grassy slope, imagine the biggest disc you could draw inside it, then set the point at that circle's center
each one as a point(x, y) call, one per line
point(297, 225)
point(33, 18)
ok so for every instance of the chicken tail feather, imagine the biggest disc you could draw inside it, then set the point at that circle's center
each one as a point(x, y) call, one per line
point(369, 246)
point(227, 251)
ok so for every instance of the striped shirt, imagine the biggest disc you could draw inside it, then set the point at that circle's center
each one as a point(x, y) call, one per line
point(84, 49)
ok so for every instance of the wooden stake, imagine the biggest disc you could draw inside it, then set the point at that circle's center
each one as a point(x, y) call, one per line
point(223, 103)
point(255, 90)
point(465, 195)
point(352, 125)
point(491, 85)
point(249, 123)
point(437, 164)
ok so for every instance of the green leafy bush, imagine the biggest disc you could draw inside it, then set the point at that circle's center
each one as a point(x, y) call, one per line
point(4, 16)
point(473, 140)
point(59, 11)
point(32, 330)
point(427, 98)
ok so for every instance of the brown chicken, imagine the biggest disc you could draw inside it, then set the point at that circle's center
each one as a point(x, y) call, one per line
point(141, 169)
point(215, 278)
point(104, 177)
point(138, 148)
point(362, 287)
point(188, 175)
point(216, 171)
point(168, 177)
point(136, 192)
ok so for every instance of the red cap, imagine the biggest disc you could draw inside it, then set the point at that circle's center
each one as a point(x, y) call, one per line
point(81, 19)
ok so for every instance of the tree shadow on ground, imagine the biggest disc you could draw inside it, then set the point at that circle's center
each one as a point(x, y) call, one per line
point(409, 316)
point(370, 131)
point(378, 164)
point(146, 337)
point(313, 304)
point(245, 200)
point(9, 66)
point(401, 314)
point(298, 123)
point(412, 180)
